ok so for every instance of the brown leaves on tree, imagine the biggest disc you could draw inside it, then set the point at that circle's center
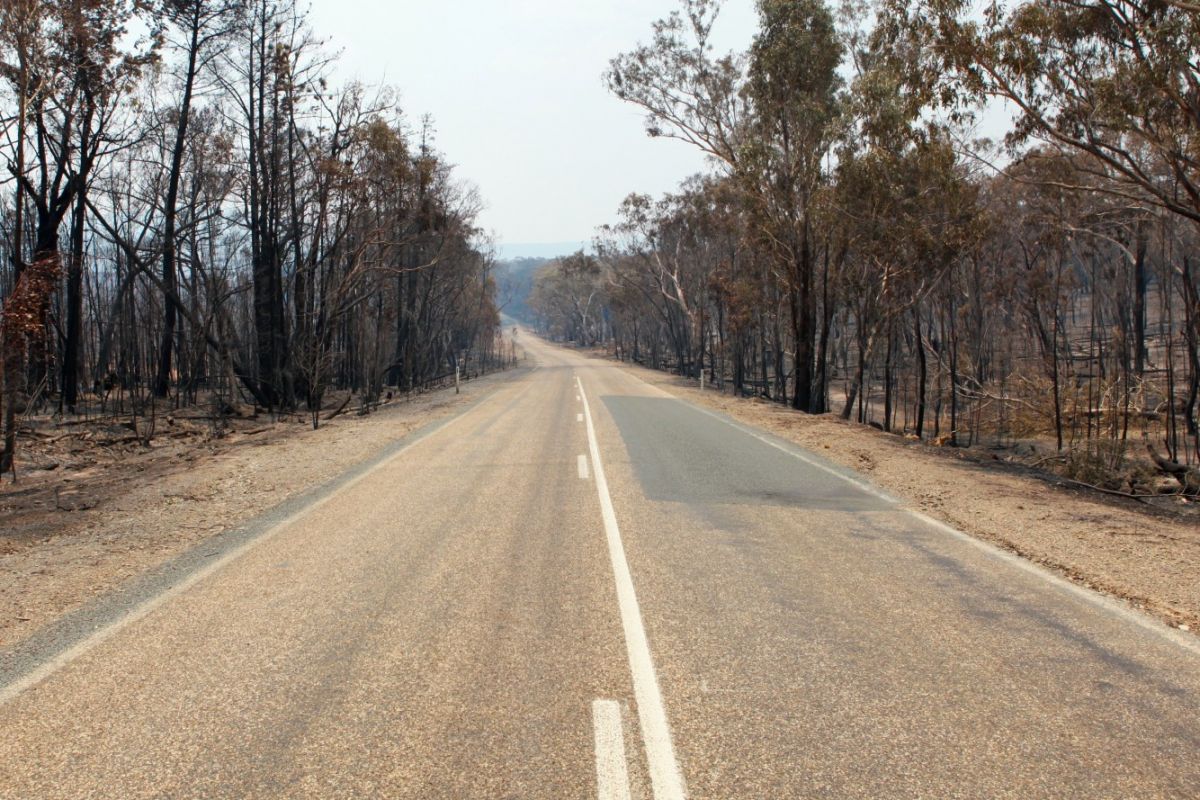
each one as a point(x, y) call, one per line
point(23, 315)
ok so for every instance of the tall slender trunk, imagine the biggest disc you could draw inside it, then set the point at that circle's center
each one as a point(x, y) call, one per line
point(264, 183)
point(887, 379)
point(953, 371)
point(804, 326)
point(1191, 306)
point(821, 384)
point(11, 342)
point(922, 372)
point(71, 343)
point(1054, 371)
point(162, 380)
point(1141, 280)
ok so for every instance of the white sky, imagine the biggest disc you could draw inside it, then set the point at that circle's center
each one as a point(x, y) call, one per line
point(515, 91)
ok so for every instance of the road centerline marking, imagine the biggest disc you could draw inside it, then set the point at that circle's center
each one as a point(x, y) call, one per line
point(612, 773)
point(665, 777)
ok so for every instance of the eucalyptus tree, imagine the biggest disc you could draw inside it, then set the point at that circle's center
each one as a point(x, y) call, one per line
point(568, 297)
point(68, 63)
point(200, 25)
point(793, 90)
point(87, 64)
point(1116, 80)
point(769, 117)
point(21, 61)
point(1108, 86)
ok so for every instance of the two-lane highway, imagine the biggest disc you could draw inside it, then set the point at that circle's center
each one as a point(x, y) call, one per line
point(582, 587)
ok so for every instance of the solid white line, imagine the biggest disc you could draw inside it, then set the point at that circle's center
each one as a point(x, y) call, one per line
point(665, 778)
point(583, 469)
point(143, 609)
point(612, 775)
point(1110, 604)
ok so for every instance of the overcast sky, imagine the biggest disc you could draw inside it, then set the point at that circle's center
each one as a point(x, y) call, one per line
point(515, 91)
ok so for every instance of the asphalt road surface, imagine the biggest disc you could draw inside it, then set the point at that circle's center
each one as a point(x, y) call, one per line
point(583, 588)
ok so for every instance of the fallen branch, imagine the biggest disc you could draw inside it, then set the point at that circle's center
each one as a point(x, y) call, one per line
point(1188, 478)
point(50, 438)
point(1141, 498)
point(340, 408)
point(121, 440)
point(1047, 459)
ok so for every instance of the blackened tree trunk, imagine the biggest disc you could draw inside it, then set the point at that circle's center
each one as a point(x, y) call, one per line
point(888, 378)
point(73, 337)
point(804, 320)
point(1141, 280)
point(922, 372)
point(821, 384)
point(162, 380)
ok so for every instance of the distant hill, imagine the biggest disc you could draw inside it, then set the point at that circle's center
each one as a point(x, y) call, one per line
point(514, 279)
point(546, 250)
point(515, 270)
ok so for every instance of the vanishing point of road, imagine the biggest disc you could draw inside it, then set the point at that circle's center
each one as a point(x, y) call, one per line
point(581, 587)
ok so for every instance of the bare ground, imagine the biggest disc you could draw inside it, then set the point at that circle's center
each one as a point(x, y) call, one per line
point(1147, 556)
point(92, 509)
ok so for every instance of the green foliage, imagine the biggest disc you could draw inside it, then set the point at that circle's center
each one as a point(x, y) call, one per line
point(1115, 80)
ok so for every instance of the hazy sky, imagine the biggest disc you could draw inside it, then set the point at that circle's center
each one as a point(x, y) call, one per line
point(515, 91)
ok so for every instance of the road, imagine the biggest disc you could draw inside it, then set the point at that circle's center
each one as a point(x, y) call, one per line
point(581, 587)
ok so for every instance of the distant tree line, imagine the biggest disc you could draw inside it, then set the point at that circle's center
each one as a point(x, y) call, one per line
point(855, 250)
point(515, 278)
point(191, 211)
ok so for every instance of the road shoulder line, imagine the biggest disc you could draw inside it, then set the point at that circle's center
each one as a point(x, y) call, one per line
point(57, 644)
point(1105, 602)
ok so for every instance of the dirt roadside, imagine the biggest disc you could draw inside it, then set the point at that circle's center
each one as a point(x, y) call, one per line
point(66, 539)
point(1150, 559)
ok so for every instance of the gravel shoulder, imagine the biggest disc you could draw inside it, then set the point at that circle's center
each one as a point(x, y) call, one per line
point(162, 504)
point(1150, 559)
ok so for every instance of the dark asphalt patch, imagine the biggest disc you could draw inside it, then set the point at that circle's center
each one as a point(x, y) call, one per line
point(682, 455)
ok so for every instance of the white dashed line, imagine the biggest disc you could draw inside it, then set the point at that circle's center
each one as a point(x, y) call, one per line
point(583, 468)
point(612, 775)
point(665, 778)
point(579, 417)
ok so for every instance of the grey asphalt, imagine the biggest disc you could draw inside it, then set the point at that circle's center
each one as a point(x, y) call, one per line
point(440, 625)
